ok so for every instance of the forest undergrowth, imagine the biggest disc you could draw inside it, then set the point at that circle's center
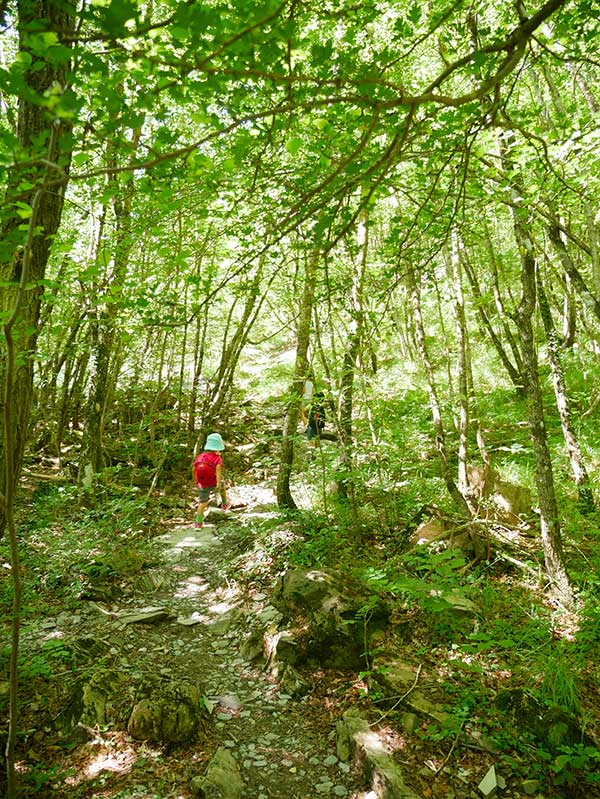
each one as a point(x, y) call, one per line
point(515, 673)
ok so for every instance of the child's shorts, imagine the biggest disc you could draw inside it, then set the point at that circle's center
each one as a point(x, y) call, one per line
point(205, 492)
point(312, 432)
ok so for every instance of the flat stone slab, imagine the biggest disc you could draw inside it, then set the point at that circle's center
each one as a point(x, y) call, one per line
point(144, 616)
point(186, 538)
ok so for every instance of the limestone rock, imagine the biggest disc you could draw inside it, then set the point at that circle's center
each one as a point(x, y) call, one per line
point(489, 783)
point(322, 613)
point(222, 779)
point(105, 699)
point(252, 647)
point(504, 501)
point(395, 678)
point(356, 740)
point(149, 615)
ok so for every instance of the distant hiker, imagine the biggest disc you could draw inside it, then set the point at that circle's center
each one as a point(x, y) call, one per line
point(307, 396)
point(207, 472)
point(315, 418)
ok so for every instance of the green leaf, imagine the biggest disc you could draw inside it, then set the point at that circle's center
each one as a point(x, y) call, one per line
point(23, 210)
point(80, 159)
point(293, 145)
point(414, 14)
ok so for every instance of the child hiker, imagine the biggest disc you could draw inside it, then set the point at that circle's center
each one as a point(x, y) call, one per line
point(314, 418)
point(207, 471)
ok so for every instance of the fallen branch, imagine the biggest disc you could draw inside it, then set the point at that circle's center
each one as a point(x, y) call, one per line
point(520, 564)
point(54, 478)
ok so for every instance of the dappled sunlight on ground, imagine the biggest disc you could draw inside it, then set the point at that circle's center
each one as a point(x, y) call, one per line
point(113, 754)
point(191, 587)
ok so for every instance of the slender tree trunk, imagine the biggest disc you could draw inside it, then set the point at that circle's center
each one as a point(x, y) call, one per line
point(544, 475)
point(301, 372)
point(445, 342)
point(569, 316)
point(562, 402)
point(462, 369)
point(345, 486)
point(105, 333)
point(590, 213)
point(232, 349)
point(438, 425)
point(182, 363)
point(584, 87)
point(503, 314)
point(591, 302)
point(486, 323)
point(64, 354)
point(200, 335)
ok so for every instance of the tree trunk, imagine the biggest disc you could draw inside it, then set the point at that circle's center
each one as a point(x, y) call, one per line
point(301, 372)
point(41, 137)
point(201, 329)
point(580, 474)
point(438, 424)
point(23, 260)
point(544, 475)
point(503, 313)
point(462, 368)
point(345, 486)
point(231, 350)
point(104, 331)
point(590, 301)
point(486, 323)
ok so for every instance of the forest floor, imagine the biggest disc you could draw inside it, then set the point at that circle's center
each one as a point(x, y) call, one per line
point(212, 581)
point(284, 747)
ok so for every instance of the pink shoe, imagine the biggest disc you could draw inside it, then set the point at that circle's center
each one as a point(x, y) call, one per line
point(197, 524)
point(226, 506)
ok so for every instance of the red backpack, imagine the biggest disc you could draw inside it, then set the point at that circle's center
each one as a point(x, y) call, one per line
point(206, 473)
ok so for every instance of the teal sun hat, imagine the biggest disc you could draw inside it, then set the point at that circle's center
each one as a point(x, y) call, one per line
point(214, 442)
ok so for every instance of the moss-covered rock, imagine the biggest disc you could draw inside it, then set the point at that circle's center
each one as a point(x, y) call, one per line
point(169, 713)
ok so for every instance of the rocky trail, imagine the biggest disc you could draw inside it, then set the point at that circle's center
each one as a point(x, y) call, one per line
point(215, 670)
point(181, 636)
point(282, 746)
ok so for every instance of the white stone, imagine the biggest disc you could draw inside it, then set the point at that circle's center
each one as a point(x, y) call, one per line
point(489, 783)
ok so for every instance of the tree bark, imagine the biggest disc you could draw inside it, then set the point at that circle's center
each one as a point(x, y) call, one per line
point(462, 369)
point(43, 137)
point(580, 474)
point(104, 331)
point(544, 475)
point(231, 350)
point(590, 301)
point(438, 424)
point(345, 486)
point(301, 373)
point(486, 323)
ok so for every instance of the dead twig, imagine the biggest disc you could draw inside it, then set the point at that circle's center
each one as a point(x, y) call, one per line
point(452, 748)
point(400, 699)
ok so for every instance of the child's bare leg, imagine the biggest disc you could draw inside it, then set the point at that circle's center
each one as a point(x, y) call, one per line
point(223, 493)
point(202, 506)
